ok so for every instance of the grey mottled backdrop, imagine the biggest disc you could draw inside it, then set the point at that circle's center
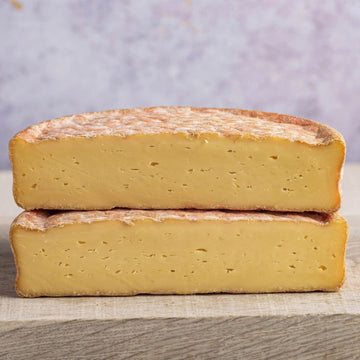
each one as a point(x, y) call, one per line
point(59, 57)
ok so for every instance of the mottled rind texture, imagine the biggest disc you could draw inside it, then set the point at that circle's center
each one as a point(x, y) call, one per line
point(42, 220)
point(188, 120)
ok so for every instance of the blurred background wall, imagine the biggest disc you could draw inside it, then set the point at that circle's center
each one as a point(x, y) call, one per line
point(61, 57)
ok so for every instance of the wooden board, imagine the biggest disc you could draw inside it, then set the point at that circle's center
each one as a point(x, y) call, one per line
point(267, 326)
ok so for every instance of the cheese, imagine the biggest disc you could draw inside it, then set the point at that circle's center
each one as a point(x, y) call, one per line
point(127, 252)
point(170, 158)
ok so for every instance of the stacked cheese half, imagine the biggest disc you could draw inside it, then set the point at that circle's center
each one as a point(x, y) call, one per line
point(177, 200)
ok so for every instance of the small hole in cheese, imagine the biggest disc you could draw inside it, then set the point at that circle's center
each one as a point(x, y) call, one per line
point(287, 189)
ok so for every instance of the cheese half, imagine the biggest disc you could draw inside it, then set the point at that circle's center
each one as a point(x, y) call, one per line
point(127, 252)
point(171, 158)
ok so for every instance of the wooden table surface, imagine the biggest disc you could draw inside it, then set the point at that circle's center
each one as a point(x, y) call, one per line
point(266, 326)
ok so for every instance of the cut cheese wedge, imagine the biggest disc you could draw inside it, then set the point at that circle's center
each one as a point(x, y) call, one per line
point(178, 157)
point(127, 252)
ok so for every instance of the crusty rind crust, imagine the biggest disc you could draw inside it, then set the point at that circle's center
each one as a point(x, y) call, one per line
point(42, 220)
point(13, 229)
point(14, 172)
point(292, 290)
point(328, 210)
point(325, 134)
point(340, 173)
point(344, 222)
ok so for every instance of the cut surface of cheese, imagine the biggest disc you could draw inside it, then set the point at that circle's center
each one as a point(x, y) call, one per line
point(127, 252)
point(178, 157)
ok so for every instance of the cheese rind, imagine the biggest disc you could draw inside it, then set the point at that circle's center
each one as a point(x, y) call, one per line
point(127, 252)
point(170, 158)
